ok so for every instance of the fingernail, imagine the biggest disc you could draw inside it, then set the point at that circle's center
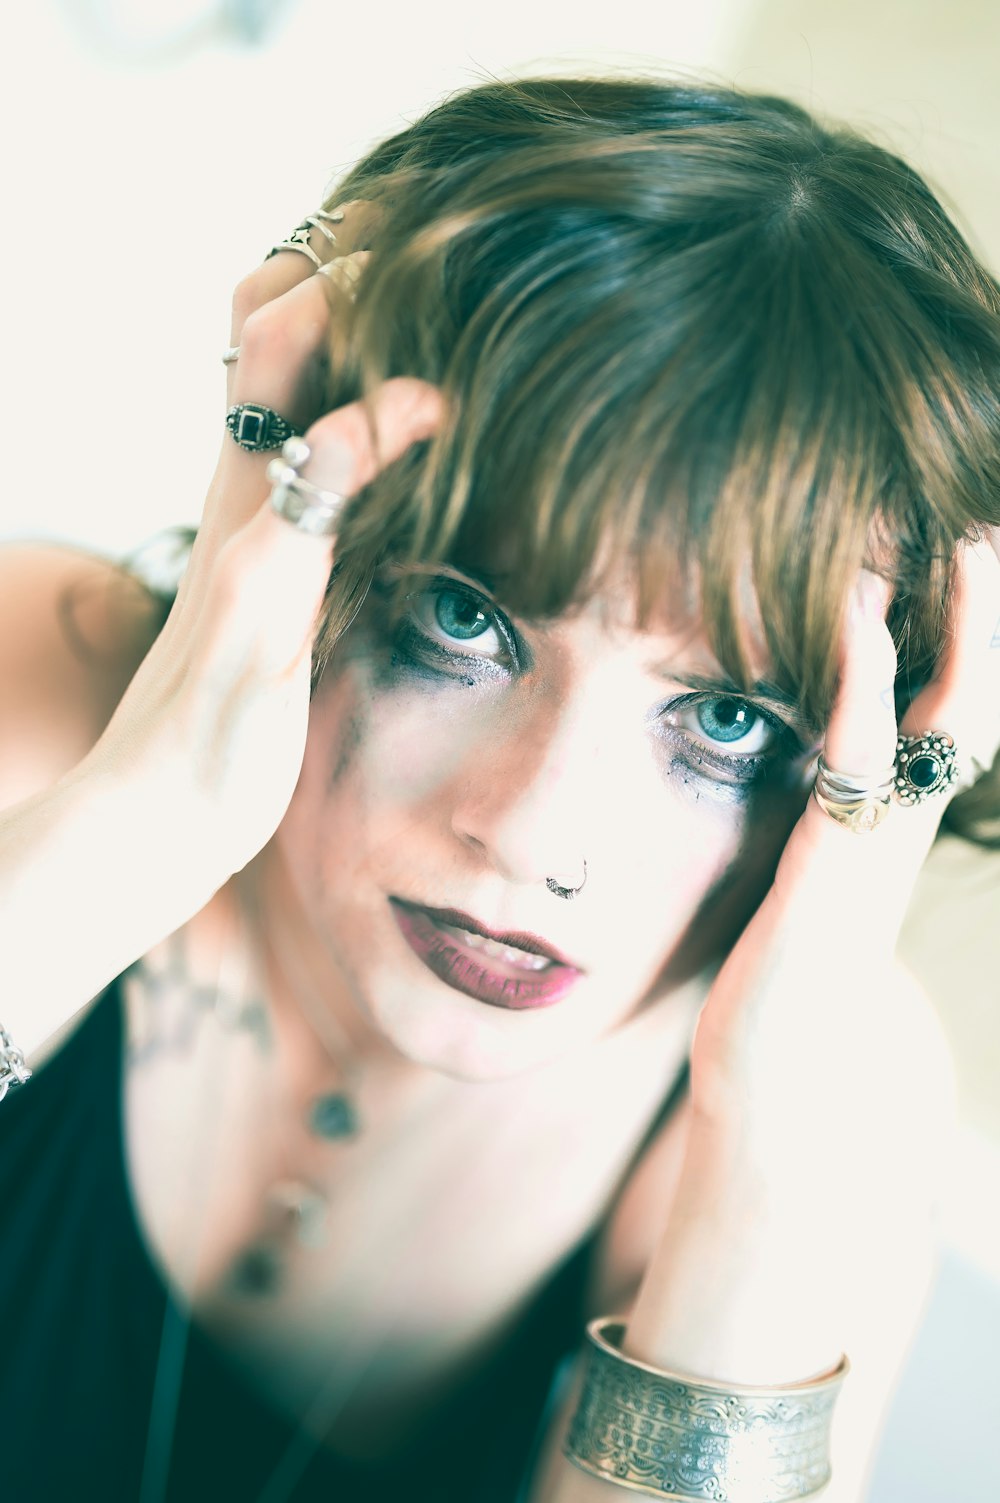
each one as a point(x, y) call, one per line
point(871, 596)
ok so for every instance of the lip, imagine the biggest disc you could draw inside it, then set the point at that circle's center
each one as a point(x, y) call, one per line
point(468, 970)
point(521, 939)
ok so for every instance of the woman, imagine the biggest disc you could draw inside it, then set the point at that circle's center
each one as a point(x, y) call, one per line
point(493, 880)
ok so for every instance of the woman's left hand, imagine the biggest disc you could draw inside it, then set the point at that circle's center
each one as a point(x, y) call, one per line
point(794, 1008)
point(802, 1114)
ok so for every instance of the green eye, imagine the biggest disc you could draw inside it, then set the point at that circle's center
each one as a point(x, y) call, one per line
point(727, 720)
point(452, 617)
point(459, 614)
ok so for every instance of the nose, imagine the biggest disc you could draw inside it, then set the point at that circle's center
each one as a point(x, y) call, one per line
point(531, 807)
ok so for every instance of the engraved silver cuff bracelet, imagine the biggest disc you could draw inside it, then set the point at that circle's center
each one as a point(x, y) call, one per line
point(676, 1437)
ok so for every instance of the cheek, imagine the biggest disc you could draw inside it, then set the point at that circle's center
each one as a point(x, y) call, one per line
point(675, 867)
point(697, 868)
point(676, 836)
point(727, 897)
point(376, 752)
point(666, 850)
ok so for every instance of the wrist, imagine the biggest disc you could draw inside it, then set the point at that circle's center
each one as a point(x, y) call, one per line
point(743, 1286)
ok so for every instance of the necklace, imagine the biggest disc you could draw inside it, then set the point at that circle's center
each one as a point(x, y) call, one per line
point(292, 1204)
point(333, 1114)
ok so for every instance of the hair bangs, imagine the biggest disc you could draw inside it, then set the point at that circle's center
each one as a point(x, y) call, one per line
point(689, 339)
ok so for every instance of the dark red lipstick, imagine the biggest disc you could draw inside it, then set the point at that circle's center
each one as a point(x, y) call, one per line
point(536, 976)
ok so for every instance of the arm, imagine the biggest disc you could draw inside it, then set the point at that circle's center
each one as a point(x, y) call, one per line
point(196, 765)
point(880, 1281)
point(801, 1222)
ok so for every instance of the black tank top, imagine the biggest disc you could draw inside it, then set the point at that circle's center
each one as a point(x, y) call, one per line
point(108, 1391)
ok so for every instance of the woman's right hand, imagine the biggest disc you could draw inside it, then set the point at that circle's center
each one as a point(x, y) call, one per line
point(214, 722)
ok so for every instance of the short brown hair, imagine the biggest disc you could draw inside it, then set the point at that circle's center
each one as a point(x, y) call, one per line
point(697, 325)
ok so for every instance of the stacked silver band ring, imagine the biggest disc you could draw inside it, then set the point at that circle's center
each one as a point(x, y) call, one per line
point(257, 428)
point(296, 499)
point(924, 766)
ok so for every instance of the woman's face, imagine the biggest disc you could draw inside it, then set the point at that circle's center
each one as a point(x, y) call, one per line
point(458, 757)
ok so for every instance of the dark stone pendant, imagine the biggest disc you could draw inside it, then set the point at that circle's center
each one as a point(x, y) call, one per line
point(256, 1272)
point(333, 1116)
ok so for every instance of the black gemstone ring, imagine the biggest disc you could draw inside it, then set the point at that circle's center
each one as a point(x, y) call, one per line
point(925, 765)
point(258, 428)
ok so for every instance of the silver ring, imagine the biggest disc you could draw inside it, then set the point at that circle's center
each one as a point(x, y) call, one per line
point(925, 765)
point(343, 272)
point(258, 428)
point(852, 784)
point(307, 506)
point(231, 355)
point(298, 240)
point(857, 801)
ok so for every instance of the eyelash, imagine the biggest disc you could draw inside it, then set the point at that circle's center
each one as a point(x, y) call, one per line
point(786, 743)
point(417, 645)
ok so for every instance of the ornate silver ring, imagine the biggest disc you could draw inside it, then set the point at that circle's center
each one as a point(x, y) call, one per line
point(257, 428)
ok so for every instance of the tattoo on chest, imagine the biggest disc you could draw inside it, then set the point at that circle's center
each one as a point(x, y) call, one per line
point(174, 1006)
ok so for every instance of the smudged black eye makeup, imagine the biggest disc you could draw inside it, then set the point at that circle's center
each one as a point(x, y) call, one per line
point(728, 720)
point(447, 629)
point(459, 619)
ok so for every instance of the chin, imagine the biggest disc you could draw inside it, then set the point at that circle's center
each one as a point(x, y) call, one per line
point(468, 1040)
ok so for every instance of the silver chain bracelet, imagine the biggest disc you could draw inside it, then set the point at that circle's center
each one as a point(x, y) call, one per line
point(13, 1070)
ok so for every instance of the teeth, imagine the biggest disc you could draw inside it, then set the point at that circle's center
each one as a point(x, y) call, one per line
point(521, 958)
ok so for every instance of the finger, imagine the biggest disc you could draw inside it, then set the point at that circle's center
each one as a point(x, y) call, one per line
point(403, 411)
point(344, 272)
point(282, 342)
point(861, 736)
point(963, 696)
point(282, 270)
point(278, 572)
point(864, 882)
point(860, 882)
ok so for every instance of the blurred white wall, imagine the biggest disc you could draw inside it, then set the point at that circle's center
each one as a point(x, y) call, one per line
point(153, 156)
point(143, 180)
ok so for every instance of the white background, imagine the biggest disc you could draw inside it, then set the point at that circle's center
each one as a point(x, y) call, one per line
point(152, 157)
point(153, 154)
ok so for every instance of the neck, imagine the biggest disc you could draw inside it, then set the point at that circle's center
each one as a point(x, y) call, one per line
point(329, 1044)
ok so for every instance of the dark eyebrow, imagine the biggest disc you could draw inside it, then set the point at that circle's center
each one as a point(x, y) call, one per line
point(762, 689)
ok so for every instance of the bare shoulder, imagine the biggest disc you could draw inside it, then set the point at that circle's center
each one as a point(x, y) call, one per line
point(73, 629)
